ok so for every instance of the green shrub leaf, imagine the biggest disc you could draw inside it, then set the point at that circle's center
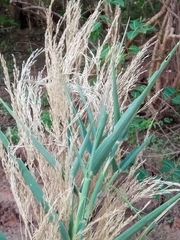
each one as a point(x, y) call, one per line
point(167, 166)
point(141, 174)
point(132, 34)
point(140, 88)
point(135, 24)
point(168, 91)
point(134, 49)
point(176, 100)
point(135, 94)
point(96, 26)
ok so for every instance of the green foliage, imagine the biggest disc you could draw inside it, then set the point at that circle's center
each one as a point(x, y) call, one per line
point(6, 21)
point(96, 31)
point(5, 2)
point(140, 8)
point(140, 123)
point(46, 119)
point(170, 170)
point(3, 109)
point(44, 100)
point(12, 134)
point(138, 26)
point(171, 93)
point(116, 2)
point(137, 91)
point(141, 174)
point(2, 237)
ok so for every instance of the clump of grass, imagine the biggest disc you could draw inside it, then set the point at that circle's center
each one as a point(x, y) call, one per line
point(77, 188)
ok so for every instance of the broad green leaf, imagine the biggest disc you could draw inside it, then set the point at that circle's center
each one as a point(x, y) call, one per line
point(149, 28)
point(104, 51)
point(135, 94)
point(168, 91)
point(94, 195)
point(122, 58)
point(176, 174)
point(167, 166)
point(7, 107)
point(141, 174)
point(140, 88)
point(176, 100)
point(135, 24)
point(133, 49)
point(132, 34)
point(33, 185)
point(96, 26)
point(103, 17)
point(127, 161)
point(142, 30)
point(79, 221)
point(117, 2)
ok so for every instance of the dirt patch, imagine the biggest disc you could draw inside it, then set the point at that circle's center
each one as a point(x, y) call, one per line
point(10, 223)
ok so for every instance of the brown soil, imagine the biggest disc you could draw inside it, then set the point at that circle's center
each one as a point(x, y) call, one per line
point(10, 224)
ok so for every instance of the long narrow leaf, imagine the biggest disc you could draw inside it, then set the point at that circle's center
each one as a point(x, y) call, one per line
point(33, 185)
point(83, 198)
point(36, 189)
point(115, 97)
point(83, 131)
point(4, 139)
point(76, 162)
point(127, 161)
point(48, 156)
point(122, 125)
point(94, 195)
point(7, 107)
point(88, 110)
point(98, 137)
point(147, 219)
point(39, 196)
point(132, 155)
point(2, 237)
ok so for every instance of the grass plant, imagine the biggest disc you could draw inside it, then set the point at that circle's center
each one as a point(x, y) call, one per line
point(78, 188)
